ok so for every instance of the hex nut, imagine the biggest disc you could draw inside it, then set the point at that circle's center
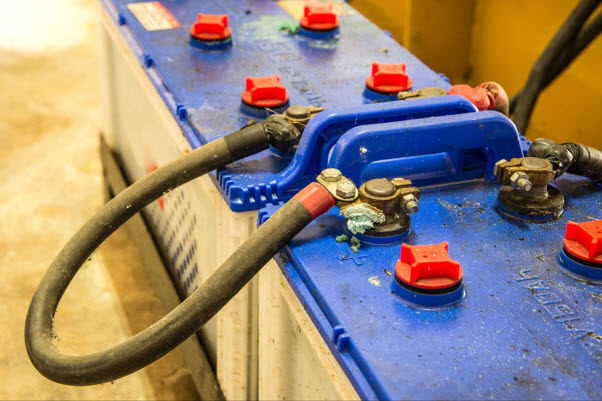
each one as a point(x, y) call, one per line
point(520, 181)
point(331, 175)
point(409, 203)
point(346, 189)
point(514, 177)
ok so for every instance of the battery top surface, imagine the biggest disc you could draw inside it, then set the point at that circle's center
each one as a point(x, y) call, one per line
point(525, 328)
point(203, 87)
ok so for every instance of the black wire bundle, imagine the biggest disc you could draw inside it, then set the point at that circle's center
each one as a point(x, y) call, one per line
point(570, 40)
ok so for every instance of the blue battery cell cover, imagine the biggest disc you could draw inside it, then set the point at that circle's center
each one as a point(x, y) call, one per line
point(525, 329)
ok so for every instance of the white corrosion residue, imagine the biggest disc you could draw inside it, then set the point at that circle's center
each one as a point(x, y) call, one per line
point(374, 281)
point(362, 216)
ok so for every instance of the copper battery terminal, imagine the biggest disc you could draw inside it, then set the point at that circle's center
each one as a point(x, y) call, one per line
point(300, 116)
point(380, 207)
point(526, 190)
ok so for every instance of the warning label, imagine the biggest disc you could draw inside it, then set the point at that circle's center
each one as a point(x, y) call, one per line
point(153, 16)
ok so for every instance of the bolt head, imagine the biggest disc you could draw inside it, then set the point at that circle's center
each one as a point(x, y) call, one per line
point(346, 189)
point(515, 177)
point(331, 174)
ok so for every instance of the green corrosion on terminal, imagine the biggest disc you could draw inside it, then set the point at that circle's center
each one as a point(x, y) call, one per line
point(342, 238)
point(289, 27)
point(355, 244)
point(361, 217)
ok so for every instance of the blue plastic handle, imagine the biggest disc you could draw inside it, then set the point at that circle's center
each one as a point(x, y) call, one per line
point(326, 128)
point(429, 151)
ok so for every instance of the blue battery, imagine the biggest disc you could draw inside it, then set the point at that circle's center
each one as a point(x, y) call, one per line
point(520, 327)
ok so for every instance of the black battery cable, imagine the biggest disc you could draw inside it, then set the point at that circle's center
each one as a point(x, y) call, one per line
point(186, 319)
point(570, 157)
point(586, 36)
point(561, 40)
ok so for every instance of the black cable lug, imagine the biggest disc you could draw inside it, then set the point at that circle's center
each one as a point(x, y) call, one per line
point(281, 133)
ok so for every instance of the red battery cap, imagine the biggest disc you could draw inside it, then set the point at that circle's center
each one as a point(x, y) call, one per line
point(428, 267)
point(319, 17)
point(264, 92)
point(211, 27)
point(584, 240)
point(389, 78)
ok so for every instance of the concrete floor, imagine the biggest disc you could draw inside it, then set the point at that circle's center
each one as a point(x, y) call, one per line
point(51, 183)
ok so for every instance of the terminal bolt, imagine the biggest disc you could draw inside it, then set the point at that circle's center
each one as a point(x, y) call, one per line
point(525, 193)
point(331, 175)
point(346, 189)
point(520, 181)
point(340, 187)
point(409, 203)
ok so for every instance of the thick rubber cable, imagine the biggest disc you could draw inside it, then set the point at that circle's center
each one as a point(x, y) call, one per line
point(188, 317)
point(571, 158)
point(567, 32)
point(588, 161)
point(583, 40)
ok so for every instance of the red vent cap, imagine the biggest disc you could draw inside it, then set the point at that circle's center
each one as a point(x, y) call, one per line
point(319, 17)
point(584, 240)
point(389, 78)
point(264, 92)
point(211, 27)
point(428, 267)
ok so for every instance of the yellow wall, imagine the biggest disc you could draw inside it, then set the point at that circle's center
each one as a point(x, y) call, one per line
point(480, 40)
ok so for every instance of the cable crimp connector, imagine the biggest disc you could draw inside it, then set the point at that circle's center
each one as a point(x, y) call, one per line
point(485, 96)
point(281, 133)
point(525, 192)
point(342, 189)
